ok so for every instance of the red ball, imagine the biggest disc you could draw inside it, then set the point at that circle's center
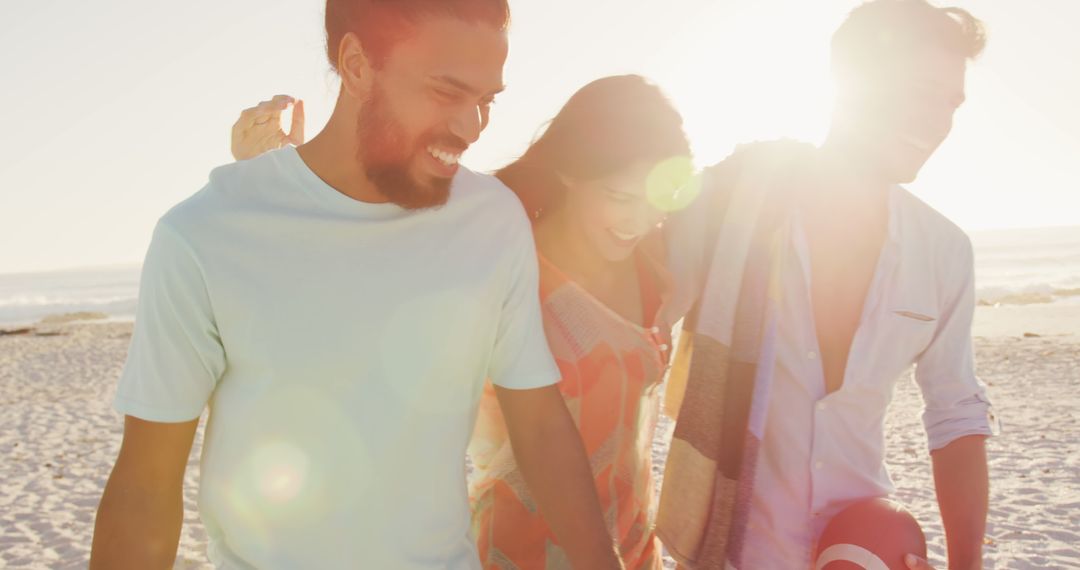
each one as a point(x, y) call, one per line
point(870, 535)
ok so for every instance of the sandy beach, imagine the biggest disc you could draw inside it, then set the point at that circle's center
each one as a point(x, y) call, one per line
point(59, 436)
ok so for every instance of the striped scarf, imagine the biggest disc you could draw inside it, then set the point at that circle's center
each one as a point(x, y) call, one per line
point(723, 369)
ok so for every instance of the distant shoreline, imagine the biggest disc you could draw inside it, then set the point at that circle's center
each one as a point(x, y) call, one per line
point(1013, 268)
point(1059, 320)
point(120, 265)
point(1060, 317)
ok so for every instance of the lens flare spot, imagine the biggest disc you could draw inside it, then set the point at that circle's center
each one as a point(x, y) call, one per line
point(672, 184)
point(280, 470)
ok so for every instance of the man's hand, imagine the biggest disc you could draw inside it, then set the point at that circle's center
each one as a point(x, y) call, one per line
point(142, 510)
point(552, 459)
point(258, 129)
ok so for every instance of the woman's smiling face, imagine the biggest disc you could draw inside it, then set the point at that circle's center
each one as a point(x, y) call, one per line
point(612, 213)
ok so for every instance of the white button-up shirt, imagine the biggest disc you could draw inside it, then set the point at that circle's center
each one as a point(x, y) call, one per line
point(821, 451)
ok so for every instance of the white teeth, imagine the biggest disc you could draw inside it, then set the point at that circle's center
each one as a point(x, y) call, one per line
point(444, 157)
point(916, 142)
point(622, 236)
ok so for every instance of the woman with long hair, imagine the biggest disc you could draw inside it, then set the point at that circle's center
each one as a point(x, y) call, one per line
point(596, 184)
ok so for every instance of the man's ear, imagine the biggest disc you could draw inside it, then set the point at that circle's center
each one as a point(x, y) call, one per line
point(354, 67)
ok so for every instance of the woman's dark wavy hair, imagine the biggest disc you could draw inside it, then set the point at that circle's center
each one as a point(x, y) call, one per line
point(607, 125)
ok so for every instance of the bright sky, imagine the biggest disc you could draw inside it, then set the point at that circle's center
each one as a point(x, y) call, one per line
point(114, 110)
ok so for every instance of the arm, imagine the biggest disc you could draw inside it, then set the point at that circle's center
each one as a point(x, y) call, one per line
point(258, 129)
point(173, 364)
point(957, 417)
point(963, 487)
point(543, 436)
point(140, 515)
point(551, 456)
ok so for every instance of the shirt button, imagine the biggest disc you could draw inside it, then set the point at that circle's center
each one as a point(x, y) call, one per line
point(811, 355)
point(664, 347)
point(818, 465)
point(821, 406)
point(655, 330)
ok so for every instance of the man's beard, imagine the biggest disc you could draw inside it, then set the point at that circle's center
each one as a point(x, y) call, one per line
point(386, 157)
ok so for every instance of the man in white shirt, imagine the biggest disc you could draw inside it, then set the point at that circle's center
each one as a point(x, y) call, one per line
point(338, 307)
point(875, 281)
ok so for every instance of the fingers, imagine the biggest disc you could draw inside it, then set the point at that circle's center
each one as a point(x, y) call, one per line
point(916, 563)
point(296, 130)
point(258, 129)
point(264, 112)
point(271, 110)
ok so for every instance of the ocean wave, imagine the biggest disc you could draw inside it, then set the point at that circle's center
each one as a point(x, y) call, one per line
point(50, 300)
point(27, 309)
point(1034, 295)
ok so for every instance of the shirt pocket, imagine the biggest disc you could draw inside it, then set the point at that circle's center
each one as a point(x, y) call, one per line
point(912, 329)
point(893, 341)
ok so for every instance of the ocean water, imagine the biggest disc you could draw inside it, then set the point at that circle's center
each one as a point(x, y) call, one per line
point(1012, 267)
point(1021, 267)
point(28, 297)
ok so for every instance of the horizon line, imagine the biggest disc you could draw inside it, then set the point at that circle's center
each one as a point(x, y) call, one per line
point(117, 265)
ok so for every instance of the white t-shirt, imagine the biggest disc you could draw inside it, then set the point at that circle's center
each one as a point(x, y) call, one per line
point(342, 347)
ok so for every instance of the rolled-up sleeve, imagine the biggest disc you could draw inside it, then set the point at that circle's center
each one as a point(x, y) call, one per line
point(956, 403)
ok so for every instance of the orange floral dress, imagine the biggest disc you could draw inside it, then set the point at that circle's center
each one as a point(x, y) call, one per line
point(611, 372)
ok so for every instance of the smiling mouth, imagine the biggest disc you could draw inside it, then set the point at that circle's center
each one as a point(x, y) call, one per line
point(624, 238)
point(445, 157)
